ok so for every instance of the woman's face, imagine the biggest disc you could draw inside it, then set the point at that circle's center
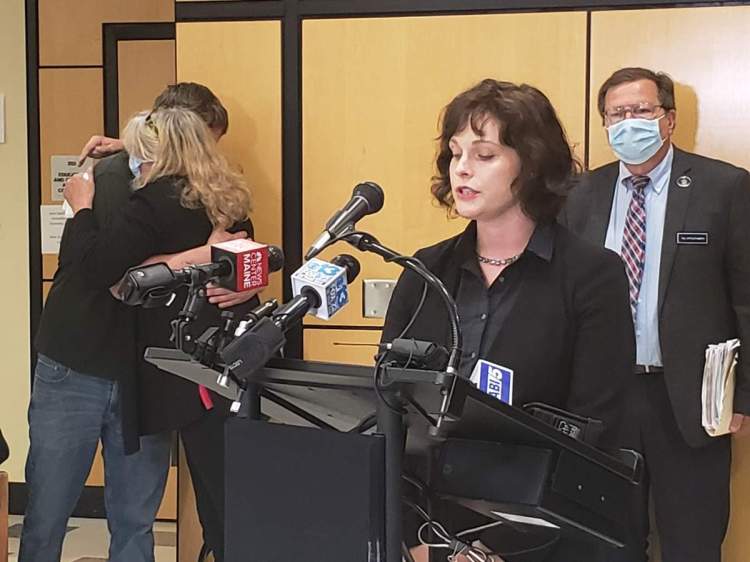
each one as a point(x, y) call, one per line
point(482, 171)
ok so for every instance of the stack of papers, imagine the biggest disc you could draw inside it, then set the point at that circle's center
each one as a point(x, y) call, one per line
point(717, 395)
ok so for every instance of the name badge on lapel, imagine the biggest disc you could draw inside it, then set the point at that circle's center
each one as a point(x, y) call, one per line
point(692, 238)
point(494, 380)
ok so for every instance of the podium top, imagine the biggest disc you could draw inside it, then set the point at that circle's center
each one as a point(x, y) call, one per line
point(472, 414)
point(284, 371)
point(340, 395)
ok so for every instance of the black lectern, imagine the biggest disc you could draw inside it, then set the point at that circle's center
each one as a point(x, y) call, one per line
point(318, 482)
point(503, 462)
point(309, 483)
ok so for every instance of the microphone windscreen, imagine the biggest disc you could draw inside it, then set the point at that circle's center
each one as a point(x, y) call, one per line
point(248, 261)
point(350, 263)
point(275, 258)
point(328, 280)
point(140, 282)
point(248, 353)
point(372, 193)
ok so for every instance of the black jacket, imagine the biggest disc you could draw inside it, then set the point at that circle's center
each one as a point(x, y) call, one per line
point(569, 336)
point(704, 290)
point(89, 330)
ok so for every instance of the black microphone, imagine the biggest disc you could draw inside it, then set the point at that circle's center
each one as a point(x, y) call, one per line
point(255, 315)
point(367, 198)
point(242, 265)
point(153, 285)
point(318, 291)
point(249, 352)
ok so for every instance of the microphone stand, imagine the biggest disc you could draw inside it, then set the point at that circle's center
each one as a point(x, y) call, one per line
point(368, 243)
point(390, 419)
point(196, 298)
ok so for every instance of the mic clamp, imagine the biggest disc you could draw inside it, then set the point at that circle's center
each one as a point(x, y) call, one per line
point(416, 354)
point(196, 298)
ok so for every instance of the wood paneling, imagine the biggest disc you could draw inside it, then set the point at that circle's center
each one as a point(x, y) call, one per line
point(168, 507)
point(144, 69)
point(372, 92)
point(46, 286)
point(189, 532)
point(70, 111)
point(357, 347)
point(713, 108)
point(241, 63)
point(70, 33)
point(737, 543)
point(49, 266)
point(96, 474)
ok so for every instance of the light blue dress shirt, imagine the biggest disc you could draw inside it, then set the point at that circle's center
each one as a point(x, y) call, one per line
point(647, 312)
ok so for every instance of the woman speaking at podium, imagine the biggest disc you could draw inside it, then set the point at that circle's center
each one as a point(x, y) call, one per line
point(532, 297)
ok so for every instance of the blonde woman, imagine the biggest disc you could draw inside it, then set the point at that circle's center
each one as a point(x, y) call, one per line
point(183, 191)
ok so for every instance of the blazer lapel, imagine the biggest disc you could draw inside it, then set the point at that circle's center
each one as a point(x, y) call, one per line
point(601, 204)
point(681, 185)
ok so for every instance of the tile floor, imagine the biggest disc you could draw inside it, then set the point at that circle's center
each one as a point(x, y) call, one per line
point(87, 540)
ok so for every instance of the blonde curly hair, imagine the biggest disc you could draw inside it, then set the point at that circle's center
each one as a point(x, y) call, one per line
point(180, 144)
point(140, 141)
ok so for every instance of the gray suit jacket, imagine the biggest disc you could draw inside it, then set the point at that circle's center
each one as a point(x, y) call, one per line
point(704, 289)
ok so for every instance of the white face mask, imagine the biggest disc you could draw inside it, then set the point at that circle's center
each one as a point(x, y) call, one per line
point(634, 141)
point(135, 166)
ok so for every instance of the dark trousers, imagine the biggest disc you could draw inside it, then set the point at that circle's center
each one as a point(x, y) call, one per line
point(204, 448)
point(689, 486)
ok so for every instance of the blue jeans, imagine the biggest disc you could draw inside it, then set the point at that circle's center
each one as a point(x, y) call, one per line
point(68, 415)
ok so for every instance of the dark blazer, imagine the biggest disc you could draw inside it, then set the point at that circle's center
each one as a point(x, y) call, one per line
point(152, 223)
point(569, 337)
point(704, 290)
point(89, 330)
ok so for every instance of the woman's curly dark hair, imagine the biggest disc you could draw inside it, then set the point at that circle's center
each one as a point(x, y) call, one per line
point(528, 124)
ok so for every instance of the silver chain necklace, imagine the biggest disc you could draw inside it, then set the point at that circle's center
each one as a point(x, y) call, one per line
point(499, 262)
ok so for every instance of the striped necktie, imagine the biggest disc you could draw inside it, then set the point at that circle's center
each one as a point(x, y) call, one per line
point(634, 239)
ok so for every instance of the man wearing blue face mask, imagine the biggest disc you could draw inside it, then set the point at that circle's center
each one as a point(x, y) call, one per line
point(680, 223)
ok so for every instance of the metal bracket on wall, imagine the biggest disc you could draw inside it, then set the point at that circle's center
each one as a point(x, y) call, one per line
point(376, 294)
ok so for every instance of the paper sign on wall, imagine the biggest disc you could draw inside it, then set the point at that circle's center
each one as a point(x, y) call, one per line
point(53, 223)
point(64, 167)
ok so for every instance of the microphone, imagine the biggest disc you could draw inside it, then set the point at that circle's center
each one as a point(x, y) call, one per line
point(243, 265)
point(239, 268)
point(367, 198)
point(255, 315)
point(151, 285)
point(249, 352)
point(328, 281)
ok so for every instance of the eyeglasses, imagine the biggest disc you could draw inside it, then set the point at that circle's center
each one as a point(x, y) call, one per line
point(642, 110)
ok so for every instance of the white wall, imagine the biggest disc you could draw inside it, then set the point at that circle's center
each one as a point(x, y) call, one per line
point(14, 244)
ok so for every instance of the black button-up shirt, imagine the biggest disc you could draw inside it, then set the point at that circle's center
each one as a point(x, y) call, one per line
point(483, 310)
